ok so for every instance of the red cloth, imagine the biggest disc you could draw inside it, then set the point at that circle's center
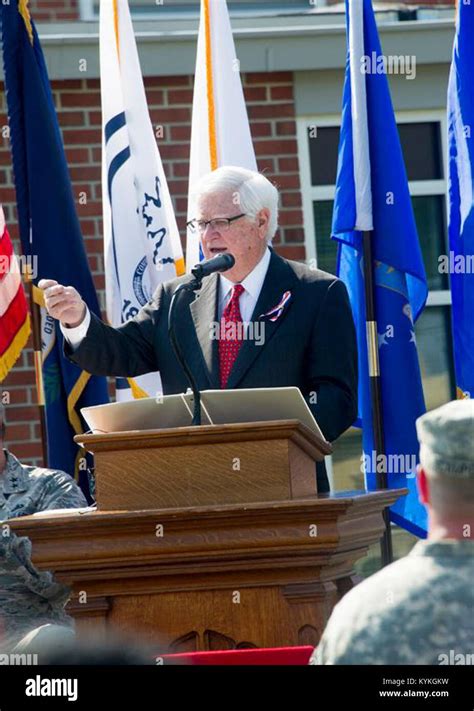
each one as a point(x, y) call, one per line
point(274, 656)
point(230, 330)
point(14, 318)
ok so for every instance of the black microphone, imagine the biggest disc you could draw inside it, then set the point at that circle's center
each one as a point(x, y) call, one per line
point(220, 263)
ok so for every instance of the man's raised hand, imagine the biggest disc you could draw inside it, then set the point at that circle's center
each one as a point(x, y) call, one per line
point(63, 303)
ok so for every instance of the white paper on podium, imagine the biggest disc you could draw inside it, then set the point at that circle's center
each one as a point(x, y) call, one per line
point(219, 407)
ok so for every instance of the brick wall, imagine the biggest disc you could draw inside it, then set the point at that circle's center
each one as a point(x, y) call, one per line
point(54, 10)
point(64, 10)
point(272, 114)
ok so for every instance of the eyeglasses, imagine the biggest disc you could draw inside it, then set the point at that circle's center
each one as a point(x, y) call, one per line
point(219, 224)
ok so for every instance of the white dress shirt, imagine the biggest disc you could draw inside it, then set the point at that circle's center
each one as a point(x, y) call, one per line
point(74, 336)
point(252, 284)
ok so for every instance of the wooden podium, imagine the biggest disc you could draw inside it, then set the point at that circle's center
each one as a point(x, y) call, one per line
point(209, 537)
point(211, 464)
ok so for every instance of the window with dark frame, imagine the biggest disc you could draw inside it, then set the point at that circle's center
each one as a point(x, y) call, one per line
point(422, 150)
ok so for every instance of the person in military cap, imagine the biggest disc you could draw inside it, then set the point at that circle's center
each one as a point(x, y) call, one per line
point(25, 490)
point(420, 609)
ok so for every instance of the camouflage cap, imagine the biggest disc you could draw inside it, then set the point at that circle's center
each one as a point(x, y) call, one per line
point(446, 437)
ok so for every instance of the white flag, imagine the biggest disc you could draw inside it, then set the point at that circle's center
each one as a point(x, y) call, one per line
point(141, 240)
point(360, 123)
point(220, 132)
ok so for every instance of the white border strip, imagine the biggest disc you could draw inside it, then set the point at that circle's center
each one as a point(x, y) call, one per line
point(360, 129)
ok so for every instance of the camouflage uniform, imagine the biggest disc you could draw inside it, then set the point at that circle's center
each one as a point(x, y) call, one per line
point(419, 610)
point(28, 598)
point(408, 613)
point(25, 490)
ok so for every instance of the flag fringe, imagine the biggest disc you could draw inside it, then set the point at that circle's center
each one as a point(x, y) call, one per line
point(24, 11)
point(13, 352)
point(38, 296)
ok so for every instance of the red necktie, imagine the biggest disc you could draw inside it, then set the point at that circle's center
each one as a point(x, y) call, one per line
point(231, 331)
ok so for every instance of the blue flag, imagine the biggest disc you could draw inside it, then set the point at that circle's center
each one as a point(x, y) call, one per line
point(49, 227)
point(372, 195)
point(461, 203)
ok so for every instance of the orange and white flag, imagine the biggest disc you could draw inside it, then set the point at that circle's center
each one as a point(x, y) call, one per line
point(220, 133)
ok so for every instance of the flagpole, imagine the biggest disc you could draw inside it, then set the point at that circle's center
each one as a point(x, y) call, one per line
point(375, 389)
point(38, 359)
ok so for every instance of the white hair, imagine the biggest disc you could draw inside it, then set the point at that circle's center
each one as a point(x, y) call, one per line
point(252, 191)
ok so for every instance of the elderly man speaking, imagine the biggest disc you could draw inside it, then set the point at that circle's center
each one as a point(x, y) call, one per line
point(309, 337)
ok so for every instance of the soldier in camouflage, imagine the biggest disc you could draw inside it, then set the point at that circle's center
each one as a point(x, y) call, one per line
point(30, 599)
point(25, 490)
point(420, 610)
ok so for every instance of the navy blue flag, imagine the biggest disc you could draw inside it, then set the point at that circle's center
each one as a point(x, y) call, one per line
point(49, 228)
point(460, 261)
point(372, 195)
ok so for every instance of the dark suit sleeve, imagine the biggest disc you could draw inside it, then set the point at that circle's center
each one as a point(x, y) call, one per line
point(332, 363)
point(124, 352)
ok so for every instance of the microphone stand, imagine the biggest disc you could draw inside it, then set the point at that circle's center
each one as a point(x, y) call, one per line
point(204, 269)
point(193, 285)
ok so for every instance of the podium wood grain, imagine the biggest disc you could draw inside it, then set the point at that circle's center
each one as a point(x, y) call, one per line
point(210, 577)
point(211, 464)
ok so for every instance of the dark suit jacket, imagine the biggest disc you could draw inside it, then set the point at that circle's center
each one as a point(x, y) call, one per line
point(312, 345)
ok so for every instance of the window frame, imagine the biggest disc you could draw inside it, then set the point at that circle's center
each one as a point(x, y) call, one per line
point(313, 193)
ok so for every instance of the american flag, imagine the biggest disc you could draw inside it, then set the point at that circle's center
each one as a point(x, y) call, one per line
point(14, 316)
